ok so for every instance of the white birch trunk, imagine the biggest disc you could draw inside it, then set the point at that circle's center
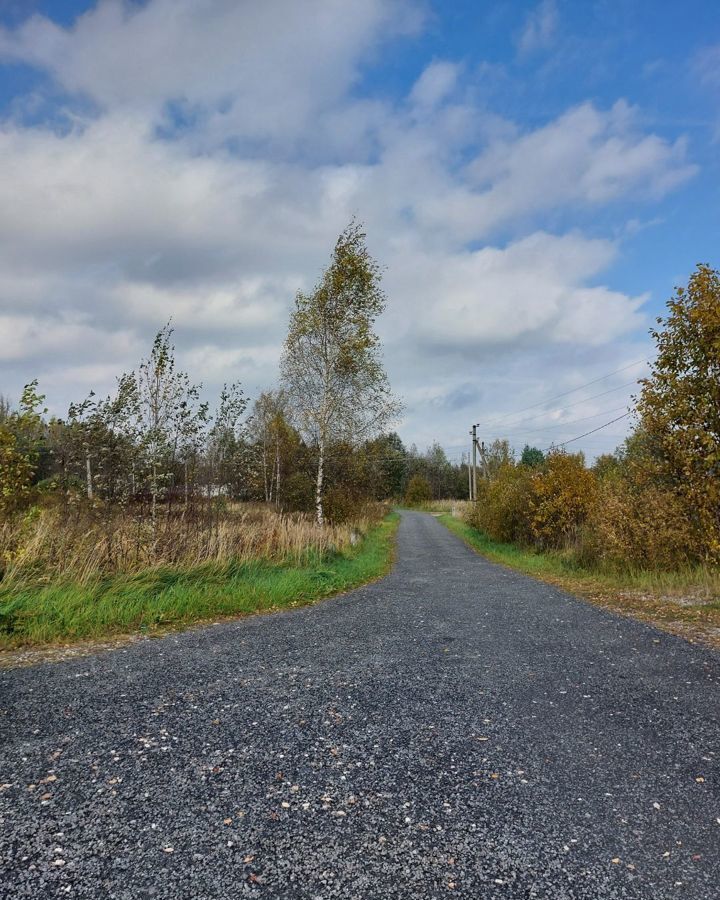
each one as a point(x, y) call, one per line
point(319, 485)
point(277, 473)
point(88, 476)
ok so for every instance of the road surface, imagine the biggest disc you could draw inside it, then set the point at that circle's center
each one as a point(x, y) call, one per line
point(454, 730)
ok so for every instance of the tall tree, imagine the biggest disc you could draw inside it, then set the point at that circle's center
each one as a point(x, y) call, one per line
point(268, 429)
point(497, 455)
point(390, 459)
point(162, 397)
point(679, 405)
point(225, 447)
point(331, 365)
point(192, 423)
point(21, 447)
point(532, 457)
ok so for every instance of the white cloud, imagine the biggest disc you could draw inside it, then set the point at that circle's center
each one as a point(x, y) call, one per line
point(67, 335)
point(260, 70)
point(123, 223)
point(435, 84)
point(536, 290)
point(586, 156)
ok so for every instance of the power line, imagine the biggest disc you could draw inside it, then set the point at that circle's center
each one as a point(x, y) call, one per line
point(522, 422)
point(597, 415)
point(580, 436)
point(566, 393)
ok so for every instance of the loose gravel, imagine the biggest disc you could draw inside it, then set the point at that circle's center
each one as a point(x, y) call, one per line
point(454, 730)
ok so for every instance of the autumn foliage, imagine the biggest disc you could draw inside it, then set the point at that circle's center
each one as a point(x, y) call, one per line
point(617, 518)
point(655, 502)
point(541, 505)
point(679, 405)
point(418, 491)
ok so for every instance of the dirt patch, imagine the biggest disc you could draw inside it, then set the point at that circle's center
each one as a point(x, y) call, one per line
point(31, 656)
point(694, 618)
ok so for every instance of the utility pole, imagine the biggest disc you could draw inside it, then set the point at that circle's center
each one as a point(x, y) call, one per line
point(474, 462)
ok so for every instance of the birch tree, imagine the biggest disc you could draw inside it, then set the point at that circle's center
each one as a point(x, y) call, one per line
point(225, 446)
point(331, 365)
point(163, 401)
point(268, 429)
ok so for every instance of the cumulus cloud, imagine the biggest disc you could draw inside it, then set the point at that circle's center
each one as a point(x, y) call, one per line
point(219, 159)
point(435, 84)
point(261, 70)
point(586, 156)
point(534, 290)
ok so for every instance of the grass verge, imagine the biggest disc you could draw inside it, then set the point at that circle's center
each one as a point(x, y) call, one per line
point(158, 600)
point(686, 603)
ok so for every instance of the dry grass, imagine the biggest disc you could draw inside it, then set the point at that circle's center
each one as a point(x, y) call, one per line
point(91, 576)
point(81, 544)
point(447, 507)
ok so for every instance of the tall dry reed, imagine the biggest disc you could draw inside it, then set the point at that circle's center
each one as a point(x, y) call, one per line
point(80, 544)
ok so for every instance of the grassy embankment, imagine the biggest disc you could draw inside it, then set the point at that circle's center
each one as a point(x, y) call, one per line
point(685, 603)
point(162, 598)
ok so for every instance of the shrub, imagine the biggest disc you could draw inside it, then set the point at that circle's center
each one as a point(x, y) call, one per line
point(418, 491)
point(645, 527)
point(345, 504)
point(502, 507)
point(16, 474)
point(562, 494)
point(624, 513)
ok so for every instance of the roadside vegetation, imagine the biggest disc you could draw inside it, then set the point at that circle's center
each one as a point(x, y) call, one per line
point(685, 602)
point(252, 567)
point(156, 506)
point(641, 527)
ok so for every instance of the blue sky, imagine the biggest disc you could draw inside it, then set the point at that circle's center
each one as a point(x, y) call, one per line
point(535, 177)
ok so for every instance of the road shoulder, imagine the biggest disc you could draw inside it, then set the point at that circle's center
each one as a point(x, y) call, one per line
point(686, 614)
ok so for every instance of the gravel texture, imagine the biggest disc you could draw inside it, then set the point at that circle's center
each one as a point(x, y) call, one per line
point(456, 729)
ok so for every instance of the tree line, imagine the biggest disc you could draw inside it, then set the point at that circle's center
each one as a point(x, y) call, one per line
point(125, 450)
point(319, 441)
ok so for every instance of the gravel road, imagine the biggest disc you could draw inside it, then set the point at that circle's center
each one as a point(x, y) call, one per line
point(454, 730)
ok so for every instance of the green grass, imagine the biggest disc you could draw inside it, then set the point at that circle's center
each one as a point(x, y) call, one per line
point(686, 602)
point(162, 599)
point(511, 555)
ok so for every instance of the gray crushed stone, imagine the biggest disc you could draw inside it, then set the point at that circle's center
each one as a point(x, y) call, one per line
point(454, 730)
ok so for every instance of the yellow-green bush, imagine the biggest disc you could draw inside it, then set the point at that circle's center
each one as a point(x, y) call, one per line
point(418, 491)
point(16, 472)
point(562, 494)
point(502, 506)
point(619, 517)
point(645, 527)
